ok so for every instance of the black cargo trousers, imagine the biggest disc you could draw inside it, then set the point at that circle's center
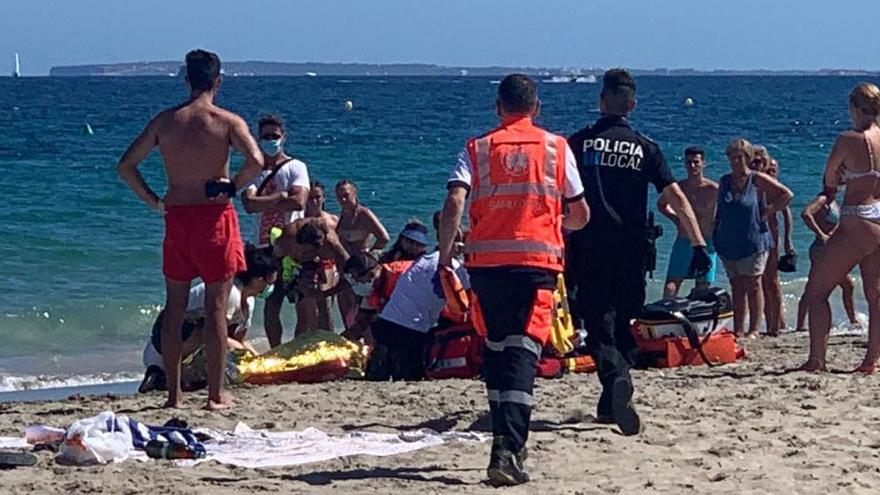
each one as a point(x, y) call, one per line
point(514, 304)
point(607, 274)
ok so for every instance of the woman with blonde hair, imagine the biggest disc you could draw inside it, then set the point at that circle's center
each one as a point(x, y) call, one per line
point(741, 236)
point(854, 162)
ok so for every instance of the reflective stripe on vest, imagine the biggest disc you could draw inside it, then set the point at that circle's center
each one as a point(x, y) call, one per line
point(483, 192)
point(512, 246)
point(485, 188)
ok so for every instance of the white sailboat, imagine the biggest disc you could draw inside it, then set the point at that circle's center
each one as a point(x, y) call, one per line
point(16, 71)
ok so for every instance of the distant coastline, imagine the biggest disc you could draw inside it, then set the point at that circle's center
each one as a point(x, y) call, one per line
point(251, 68)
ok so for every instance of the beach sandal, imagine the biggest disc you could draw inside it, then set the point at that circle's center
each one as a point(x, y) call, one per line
point(14, 459)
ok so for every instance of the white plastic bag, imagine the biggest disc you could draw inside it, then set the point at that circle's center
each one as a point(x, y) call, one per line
point(98, 440)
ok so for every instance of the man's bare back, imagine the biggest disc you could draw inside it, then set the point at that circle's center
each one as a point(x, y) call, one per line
point(195, 139)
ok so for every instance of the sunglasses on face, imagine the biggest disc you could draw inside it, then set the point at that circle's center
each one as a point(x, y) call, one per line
point(271, 137)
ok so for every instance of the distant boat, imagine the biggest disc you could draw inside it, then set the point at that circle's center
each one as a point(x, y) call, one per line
point(590, 79)
point(312, 74)
point(16, 70)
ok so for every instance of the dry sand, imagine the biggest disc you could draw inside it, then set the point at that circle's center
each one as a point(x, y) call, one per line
point(744, 428)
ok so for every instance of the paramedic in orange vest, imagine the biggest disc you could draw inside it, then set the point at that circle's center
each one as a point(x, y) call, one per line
point(521, 181)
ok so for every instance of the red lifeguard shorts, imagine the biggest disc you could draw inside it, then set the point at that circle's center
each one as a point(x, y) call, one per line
point(202, 241)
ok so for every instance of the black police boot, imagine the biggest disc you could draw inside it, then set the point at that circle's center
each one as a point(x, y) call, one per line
point(624, 413)
point(506, 466)
point(604, 411)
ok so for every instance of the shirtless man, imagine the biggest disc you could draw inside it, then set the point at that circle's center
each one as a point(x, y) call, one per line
point(201, 228)
point(306, 242)
point(702, 194)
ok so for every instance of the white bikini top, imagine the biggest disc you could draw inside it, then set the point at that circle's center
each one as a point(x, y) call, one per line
point(873, 172)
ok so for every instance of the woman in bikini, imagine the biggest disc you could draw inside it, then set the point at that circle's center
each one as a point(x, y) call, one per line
point(357, 225)
point(855, 163)
point(822, 217)
point(315, 209)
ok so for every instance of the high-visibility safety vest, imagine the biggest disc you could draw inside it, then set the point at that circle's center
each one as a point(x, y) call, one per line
point(516, 197)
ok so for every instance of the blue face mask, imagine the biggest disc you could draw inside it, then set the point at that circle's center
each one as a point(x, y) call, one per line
point(271, 147)
point(266, 292)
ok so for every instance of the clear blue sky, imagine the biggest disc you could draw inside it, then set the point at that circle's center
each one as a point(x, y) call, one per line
point(704, 34)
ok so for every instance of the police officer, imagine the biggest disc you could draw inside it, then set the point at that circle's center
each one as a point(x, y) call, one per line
point(608, 259)
point(520, 179)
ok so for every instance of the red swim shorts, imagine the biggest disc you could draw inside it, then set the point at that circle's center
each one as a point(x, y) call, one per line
point(202, 241)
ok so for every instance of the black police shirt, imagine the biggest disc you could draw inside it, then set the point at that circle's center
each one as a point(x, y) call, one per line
point(616, 164)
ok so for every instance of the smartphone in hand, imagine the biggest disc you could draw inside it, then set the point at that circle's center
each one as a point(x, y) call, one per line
point(214, 188)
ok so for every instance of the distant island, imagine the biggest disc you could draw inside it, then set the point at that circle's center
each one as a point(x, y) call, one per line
point(245, 69)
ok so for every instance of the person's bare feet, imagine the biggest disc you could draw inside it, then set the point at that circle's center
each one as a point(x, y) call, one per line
point(812, 367)
point(225, 402)
point(751, 334)
point(173, 404)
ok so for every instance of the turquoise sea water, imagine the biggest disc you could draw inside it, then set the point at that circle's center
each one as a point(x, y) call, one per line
point(80, 256)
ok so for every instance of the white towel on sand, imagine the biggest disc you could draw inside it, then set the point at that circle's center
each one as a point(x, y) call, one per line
point(249, 448)
point(13, 443)
point(262, 448)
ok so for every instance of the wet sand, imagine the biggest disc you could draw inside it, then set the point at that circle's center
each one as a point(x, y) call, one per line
point(743, 428)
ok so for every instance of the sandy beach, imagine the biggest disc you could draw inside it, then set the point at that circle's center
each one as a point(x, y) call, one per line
point(743, 428)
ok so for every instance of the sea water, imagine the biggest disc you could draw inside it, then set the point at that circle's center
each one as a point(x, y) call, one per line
point(80, 256)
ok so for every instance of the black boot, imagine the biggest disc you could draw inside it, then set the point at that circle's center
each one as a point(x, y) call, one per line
point(378, 367)
point(506, 466)
point(604, 410)
point(624, 413)
point(154, 379)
